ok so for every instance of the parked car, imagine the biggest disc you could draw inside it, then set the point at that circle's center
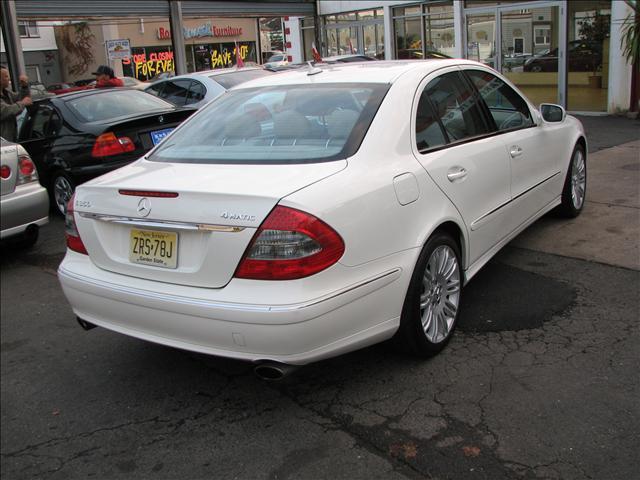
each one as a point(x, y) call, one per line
point(162, 76)
point(134, 83)
point(310, 213)
point(24, 202)
point(277, 60)
point(39, 91)
point(582, 56)
point(196, 89)
point(80, 135)
point(60, 88)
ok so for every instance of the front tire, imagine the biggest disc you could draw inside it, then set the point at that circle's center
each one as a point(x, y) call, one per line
point(432, 305)
point(575, 184)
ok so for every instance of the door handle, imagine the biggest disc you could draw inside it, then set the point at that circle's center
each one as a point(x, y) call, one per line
point(456, 174)
point(515, 151)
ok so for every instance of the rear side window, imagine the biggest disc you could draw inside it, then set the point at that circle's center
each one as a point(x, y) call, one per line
point(176, 91)
point(279, 124)
point(455, 106)
point(197, 92)
point(429, 133)
point(508, 109)
point(109, 104)
point(229, 80)
point(155, 89)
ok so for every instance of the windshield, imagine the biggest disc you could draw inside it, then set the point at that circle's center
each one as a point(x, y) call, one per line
point(283, 124)
point(115, 103)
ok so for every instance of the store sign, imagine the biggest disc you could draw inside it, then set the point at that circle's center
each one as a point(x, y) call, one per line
point(202, 31)
point(118, 49)
point(151, 65)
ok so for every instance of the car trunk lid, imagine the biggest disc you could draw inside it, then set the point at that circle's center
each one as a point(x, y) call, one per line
point(209, 212)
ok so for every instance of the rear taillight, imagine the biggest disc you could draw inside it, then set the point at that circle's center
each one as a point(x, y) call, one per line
point(290, 244)
point(74, 242)
point(108, 144)
point(26, 170)
point(5, 171)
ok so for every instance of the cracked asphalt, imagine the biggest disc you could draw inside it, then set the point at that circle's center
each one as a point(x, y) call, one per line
point(540, 381)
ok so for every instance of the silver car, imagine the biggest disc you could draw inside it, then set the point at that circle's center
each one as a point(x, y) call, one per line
point(196, 89)
point(24, 202)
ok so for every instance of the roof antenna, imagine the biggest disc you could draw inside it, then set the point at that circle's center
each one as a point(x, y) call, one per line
point(313, 70)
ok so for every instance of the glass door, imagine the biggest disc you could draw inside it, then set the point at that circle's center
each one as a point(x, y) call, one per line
point(524, 43)
point(530, 51)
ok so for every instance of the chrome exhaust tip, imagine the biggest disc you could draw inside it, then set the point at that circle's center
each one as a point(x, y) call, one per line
point(273, 371)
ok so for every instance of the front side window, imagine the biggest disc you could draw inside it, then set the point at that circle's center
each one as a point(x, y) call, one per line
point(456, 106)
point(508, 109)
point(280, 124)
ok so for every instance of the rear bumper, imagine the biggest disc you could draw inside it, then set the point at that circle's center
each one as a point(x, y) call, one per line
point(304, 330)
point(27, 205)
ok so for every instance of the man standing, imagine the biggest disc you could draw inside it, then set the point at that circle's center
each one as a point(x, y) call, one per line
point(12, 104)
point(105, 77)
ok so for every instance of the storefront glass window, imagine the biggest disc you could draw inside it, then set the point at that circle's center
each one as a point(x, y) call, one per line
point(530, 51)
point(481, 38)
point(588, 55)
point(308, 37)
point(356, 33)
point(424, 35)
point(347, 17)
point(365, 15)
point(271, 37)
point(408, 38)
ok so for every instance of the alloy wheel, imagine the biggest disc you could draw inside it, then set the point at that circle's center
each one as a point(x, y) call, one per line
point(440, 297)
point(578, 179)
point(62, 191)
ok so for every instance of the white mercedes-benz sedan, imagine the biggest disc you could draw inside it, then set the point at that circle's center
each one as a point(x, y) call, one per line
point(313, 212)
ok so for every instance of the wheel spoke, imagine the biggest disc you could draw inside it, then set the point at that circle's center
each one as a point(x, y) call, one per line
point(449, 309)
point(453, 286)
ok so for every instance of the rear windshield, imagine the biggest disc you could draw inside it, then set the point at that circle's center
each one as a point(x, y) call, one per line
point(280, 124)
point(228, 80)
point(114, 103)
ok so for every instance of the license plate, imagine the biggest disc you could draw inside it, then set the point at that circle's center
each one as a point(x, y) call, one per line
point(155, 248)
point(158, 135)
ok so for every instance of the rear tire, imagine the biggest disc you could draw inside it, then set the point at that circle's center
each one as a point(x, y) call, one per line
point(575, 185)
point(61, 190)
point(432, 305)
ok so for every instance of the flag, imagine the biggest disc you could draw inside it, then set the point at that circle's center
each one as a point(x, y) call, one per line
point(316, 54)
point(351, 46)
point(239, 61)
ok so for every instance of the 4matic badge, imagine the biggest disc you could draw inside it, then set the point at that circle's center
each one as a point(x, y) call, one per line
point(238, 216)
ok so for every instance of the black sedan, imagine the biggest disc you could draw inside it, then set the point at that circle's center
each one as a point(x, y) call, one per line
point(78, 136)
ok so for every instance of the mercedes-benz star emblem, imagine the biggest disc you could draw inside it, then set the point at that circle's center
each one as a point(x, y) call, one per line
point(144, 207)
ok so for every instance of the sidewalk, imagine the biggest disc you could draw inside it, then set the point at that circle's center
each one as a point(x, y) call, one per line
point(608, 230)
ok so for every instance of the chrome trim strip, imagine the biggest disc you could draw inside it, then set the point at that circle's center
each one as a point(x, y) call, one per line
point(146, 222)
point(222, 305)
point(476, 223)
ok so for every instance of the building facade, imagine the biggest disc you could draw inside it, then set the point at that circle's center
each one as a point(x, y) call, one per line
point(40, 51)
point(555, 51)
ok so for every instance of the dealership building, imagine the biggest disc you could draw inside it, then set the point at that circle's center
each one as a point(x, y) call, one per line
point(555, 51)
point(565, 52)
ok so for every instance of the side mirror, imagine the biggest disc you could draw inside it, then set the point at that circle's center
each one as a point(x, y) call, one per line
point(552, 113)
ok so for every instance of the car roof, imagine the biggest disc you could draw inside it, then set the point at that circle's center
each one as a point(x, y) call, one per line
point(382, 71)
point(209, 73)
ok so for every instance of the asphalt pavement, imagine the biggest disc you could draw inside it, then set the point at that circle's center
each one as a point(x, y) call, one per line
point(539, 382)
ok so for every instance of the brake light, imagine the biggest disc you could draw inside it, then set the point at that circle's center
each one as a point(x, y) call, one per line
point(74, 242)
point(26, 170)
point(5, 171)
point(108, 144)
point(290, 244)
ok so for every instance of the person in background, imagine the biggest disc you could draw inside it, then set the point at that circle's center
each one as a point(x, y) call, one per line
point(105, 77)
point(12, 104)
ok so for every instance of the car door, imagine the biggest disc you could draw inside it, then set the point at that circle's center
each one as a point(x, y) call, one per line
point(37, 133)
point(535, 169)
point(453, 142)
